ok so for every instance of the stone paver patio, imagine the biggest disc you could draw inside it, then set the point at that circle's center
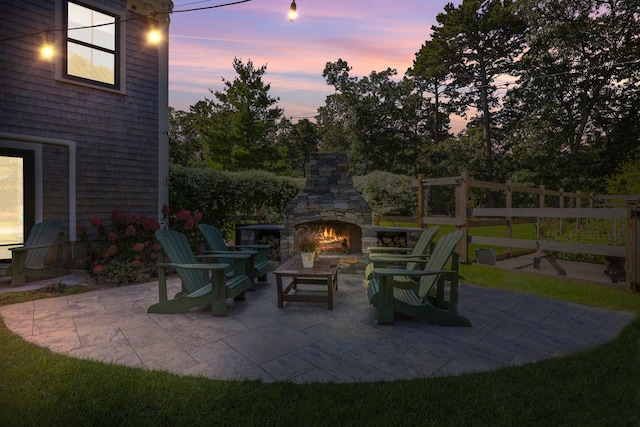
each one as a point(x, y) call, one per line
point(305, 342)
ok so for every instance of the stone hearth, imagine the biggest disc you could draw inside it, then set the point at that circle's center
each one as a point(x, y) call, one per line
point(328, 198)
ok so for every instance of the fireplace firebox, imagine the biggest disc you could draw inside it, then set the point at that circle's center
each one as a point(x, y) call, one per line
point(338, 237)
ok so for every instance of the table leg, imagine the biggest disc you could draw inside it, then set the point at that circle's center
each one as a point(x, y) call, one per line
point(279, 288)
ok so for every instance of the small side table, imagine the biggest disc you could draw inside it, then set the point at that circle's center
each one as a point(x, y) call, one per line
point(323, 273)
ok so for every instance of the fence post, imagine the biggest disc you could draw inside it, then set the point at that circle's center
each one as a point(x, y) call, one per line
point(462, 221)
point(578, 205)
point(509, 204)
point(632, 249)
point(561, 206)
point(422, 198)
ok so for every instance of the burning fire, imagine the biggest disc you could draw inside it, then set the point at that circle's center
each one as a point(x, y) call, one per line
point(331, 241)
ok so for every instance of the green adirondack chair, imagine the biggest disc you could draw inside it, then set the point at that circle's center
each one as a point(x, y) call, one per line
point(219, 248)
point(28, 260)
point(380, 256)
point(428, 299)
point(202, 283)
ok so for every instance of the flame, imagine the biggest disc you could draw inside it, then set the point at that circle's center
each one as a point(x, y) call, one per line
point(329, 236)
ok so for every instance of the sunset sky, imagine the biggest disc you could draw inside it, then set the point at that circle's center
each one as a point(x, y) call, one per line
point(369, 35)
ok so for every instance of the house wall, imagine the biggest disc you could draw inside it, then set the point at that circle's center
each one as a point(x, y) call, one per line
point(115, 134)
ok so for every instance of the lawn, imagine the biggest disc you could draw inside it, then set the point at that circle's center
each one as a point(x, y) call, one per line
point(599, 387)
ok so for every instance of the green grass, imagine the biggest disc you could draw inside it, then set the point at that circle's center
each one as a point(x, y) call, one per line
point(599, 387)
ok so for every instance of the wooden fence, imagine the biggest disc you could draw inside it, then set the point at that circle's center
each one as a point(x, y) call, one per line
point(622, 209)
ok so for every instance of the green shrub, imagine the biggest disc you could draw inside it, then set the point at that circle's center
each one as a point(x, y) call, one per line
point(201, 190)
point(388, 194)
point(262, 195)
point(226, 198)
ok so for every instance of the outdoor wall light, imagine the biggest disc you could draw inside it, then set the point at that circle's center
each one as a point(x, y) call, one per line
point(293, 13)
point(46, 50)
point(154, 36)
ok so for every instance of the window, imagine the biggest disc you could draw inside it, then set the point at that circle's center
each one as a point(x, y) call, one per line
point(92, 46)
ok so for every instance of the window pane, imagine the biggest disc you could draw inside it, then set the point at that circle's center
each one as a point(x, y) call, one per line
point(90, 63)
point(98, 34)
point(12, 209)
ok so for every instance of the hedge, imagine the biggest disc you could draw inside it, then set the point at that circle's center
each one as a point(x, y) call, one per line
point(226, 198)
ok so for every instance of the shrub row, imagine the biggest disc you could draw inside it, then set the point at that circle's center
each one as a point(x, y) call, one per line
point(226, 198)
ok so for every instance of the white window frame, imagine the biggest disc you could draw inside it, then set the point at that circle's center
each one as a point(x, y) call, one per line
point(120, 48)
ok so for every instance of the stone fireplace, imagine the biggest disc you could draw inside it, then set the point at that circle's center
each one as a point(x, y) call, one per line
point(330, 202)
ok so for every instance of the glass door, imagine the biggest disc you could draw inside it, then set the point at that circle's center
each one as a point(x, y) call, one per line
point(17, 192)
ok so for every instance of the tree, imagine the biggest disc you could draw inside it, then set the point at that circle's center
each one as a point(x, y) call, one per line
point(185, 147)
point(300, 141)
point(368, 118)
point(627, 179)
point(422, 128)
point(578, 91)
point(431, 70)
point(240, 125)
point(477, 42)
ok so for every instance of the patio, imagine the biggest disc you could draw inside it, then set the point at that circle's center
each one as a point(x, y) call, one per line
point(305, 342)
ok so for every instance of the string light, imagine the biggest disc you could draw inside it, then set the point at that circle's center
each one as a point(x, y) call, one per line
point(154, 36)
point(293, 11)
point(46, 51)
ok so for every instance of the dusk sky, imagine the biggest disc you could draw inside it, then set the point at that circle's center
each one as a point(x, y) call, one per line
point(369, 35)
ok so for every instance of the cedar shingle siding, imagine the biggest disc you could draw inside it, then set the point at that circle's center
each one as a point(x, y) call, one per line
point(116, 134)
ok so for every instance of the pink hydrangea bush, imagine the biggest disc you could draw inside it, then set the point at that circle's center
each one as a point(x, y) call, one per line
point(124, 253)
point(187, 224)
point(127, 252)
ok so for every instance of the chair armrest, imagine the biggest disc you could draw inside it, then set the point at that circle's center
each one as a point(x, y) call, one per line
point(225, 254)
point(399, 256)
point(217, 252)
point(387, 249)
point(254, 246)
point(26, 248)
point(203, 266)
point(245, 264)
point(417, 273)
point(260, 250)
point(391, 258)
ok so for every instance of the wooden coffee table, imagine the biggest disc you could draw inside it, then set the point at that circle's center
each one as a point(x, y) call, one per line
point(323, 273)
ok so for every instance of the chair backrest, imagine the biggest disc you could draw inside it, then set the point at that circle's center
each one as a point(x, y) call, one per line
point(443, 250)
point(42, 233)
point(422, 245)
point(213, 237)
point(176, 246)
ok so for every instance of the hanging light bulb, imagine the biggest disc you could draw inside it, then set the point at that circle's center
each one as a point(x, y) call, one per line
point(293, 13)
point(154, 36)
point(46, 51)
